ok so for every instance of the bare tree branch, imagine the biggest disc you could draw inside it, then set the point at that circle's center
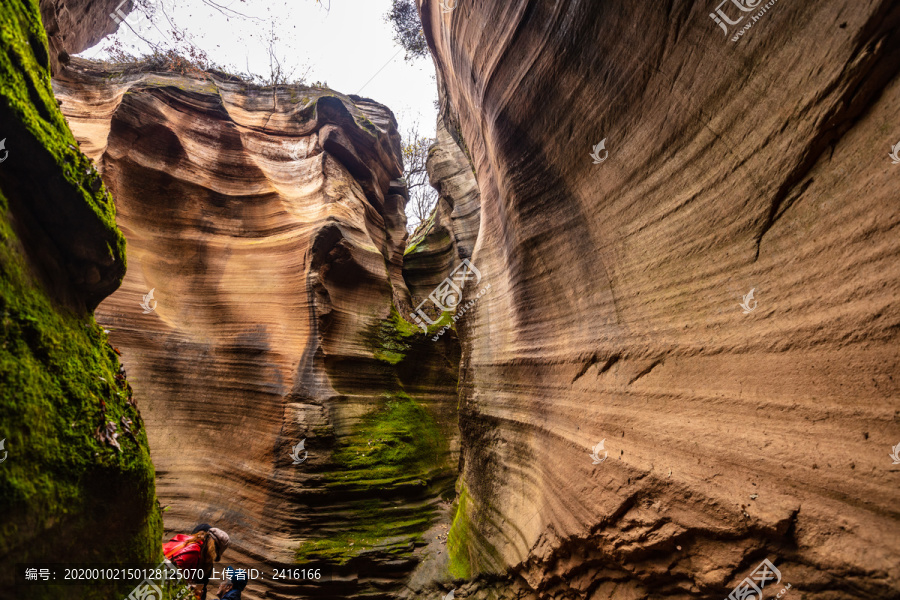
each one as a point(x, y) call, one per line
point(422, 197)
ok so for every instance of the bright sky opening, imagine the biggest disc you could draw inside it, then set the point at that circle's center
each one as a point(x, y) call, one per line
point(348, 45)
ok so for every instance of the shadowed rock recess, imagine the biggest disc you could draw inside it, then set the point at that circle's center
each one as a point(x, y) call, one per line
point(269, 226)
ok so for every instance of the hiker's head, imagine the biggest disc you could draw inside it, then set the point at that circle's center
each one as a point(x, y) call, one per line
point(201, 527)
point(220, 540)
point(236, 579)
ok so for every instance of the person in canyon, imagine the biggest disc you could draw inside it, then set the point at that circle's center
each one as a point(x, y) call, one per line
point(234, 584)
point(196, 553)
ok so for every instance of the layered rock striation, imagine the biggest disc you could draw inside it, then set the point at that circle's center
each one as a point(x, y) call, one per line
point(754, 161)
point(269, 226)
point(448, 236)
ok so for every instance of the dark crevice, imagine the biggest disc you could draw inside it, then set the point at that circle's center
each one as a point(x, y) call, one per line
point(646, 371)
point(871, 69)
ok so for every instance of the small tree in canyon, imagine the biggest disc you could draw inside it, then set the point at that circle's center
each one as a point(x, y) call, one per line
point(422, 197)
point(404, 16)
point(179, 53)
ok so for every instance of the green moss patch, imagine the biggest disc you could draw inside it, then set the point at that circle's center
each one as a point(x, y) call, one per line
point(398, 444)
point(27, 104)
point(62, 483)
point(66, 493)
point(392, 338)
point(386, 468)
point(470, 552)
point(459, 539)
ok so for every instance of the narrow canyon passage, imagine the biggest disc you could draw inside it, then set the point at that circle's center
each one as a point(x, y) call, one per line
point(645, 345)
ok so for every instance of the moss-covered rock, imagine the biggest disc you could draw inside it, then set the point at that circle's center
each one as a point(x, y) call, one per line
point(469, 550)
point(53, 192)
point(458, 540)
point(67, 494)
point(395, 451)
point(393, 338)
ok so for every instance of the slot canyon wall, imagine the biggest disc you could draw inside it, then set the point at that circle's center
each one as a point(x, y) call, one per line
point(74, 457)
point(269, 225)
point(613, 315)
point(270, 228)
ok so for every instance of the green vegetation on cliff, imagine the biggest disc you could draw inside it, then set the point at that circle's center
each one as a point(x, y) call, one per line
point(33, 123)
point(458, 539)
point(66, 494)
point(394, 337)
point(394, 451)
point(398, 444)
point(390, 341)
point(470, 551)
point(61, 486)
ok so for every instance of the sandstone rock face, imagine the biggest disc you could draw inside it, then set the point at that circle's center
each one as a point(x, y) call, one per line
point(269, 226)
point(449, 236)
point(73, 26)
point(730, 435)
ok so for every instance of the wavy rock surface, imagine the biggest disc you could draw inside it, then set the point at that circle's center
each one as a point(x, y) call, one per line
point(449, 235)
point(269, 225)
point(729, 437)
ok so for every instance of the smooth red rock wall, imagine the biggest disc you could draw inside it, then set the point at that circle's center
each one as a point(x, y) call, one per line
point(760, 164)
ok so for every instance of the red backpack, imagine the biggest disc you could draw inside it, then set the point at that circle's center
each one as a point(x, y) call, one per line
point(184, 555)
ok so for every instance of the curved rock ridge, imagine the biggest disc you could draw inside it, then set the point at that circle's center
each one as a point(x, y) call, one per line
point(730, 434)
point(269, 226)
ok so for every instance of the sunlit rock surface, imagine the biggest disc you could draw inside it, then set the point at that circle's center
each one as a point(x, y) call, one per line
point(269, 226)
point(614, 311)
